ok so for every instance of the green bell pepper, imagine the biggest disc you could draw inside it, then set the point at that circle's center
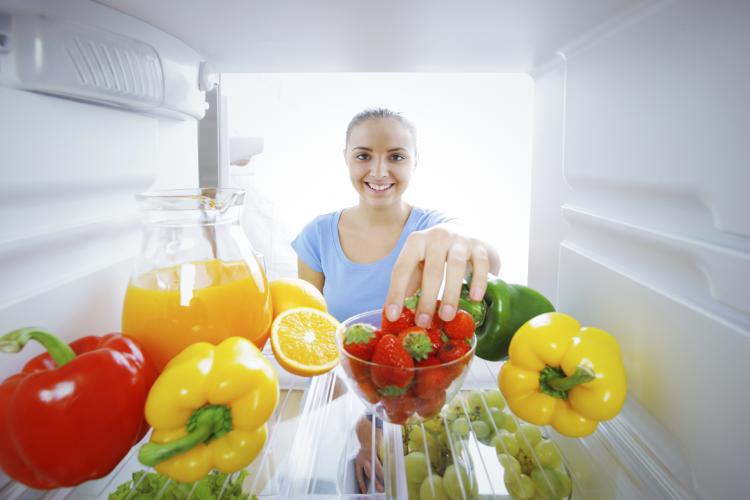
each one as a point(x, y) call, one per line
point(500, 313)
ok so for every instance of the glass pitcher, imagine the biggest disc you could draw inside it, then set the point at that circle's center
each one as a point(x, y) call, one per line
point(197, 278)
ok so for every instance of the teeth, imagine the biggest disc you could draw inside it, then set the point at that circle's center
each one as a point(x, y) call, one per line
point(379, 187)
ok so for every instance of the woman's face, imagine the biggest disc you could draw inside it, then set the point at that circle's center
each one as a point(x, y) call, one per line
point(381, 155)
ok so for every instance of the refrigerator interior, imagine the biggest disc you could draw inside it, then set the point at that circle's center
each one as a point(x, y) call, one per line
point(638, 223)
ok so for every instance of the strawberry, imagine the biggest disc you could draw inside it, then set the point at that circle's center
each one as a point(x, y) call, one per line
point(416, 342)
point(432, 378)
point(368, 391)
point(394, 364)
point(452, 350)
point(430, 407)
point(437, 338)
point(461, 326)
point(404, 321)
point(399, 409)
point(357, 370)
point(436, 321)
point(360, 340)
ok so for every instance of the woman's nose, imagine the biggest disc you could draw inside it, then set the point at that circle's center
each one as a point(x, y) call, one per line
point(379, 168)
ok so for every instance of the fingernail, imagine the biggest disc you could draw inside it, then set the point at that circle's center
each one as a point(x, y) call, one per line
point(447, 312)
point(392, 312)
point(423, 320)
point(476, 293)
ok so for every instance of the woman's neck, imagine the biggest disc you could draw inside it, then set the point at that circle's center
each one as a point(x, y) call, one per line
point(372, 216)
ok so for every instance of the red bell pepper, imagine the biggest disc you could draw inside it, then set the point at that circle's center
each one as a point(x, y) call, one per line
point(74, 412)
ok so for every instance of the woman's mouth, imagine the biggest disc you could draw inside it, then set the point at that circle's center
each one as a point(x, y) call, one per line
point(379, 188)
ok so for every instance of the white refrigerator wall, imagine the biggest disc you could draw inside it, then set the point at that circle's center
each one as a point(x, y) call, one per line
point(69, 226)
point(648, 120)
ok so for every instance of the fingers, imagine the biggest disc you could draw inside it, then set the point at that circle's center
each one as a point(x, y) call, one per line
point(358, 470)
point(402, 276)
point(432, 278)
point(426, 259)
point(378, 470)
point(454, 277)
point(481, 264)
point(363, 473)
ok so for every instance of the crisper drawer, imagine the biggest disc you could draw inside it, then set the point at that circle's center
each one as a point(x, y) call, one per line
point(313, 443)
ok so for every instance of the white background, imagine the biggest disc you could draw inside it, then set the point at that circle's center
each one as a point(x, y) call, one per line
point(474, 142)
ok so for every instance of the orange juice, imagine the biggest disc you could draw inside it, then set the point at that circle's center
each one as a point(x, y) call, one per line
point(166, 310)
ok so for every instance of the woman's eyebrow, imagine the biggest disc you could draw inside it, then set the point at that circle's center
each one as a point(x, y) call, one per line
point(361, 147)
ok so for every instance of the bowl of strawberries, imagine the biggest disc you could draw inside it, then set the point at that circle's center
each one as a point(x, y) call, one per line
point(404, 373)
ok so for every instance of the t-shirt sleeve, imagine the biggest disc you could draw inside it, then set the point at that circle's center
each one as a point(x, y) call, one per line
point(307, 245)
point(432, 218)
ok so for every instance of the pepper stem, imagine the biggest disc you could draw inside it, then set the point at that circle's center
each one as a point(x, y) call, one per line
point(477, 309)
point(554, 382)
point(205, 424)
point(15, 341)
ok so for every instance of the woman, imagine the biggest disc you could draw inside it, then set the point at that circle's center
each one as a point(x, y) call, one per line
point(380, 251)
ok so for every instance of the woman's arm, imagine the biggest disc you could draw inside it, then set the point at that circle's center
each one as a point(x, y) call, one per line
point(309, 274)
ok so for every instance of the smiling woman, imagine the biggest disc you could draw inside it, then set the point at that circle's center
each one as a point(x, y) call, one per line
point(349, 254)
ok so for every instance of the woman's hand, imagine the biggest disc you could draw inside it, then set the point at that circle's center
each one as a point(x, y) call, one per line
point(430, 255)
point(363, 468)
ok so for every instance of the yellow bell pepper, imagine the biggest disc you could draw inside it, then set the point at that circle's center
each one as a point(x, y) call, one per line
point(563, 375)
point(208, 409)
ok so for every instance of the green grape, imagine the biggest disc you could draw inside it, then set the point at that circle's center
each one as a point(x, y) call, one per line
point(459, 448)
point(520, 486)
point(494, 399)
point(418, 446)
point(474, 401)
point(565, 483)
point(547, 483)
point(415, 435)
point(481, 429)
point(460, 427)
point(547, 453)
point(509, 423)
point(505, 442)
point(528, 436)
point(434, 425)
point(413, 491)
point(454, 410)
point(443, 439)
point(487, 440)
point(415, 465)
point(498, 418)
point(451, 478)
point(417, 442)
point(509, 464)
point(432, 489)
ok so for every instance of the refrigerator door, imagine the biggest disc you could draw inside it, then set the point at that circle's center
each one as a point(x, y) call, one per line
point(649, 217)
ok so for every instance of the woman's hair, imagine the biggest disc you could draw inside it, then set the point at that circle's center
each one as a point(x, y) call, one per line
point(380, 113)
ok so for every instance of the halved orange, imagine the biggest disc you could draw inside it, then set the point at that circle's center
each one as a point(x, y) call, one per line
point(303, 341)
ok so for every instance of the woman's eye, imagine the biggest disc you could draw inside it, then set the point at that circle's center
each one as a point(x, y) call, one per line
point(397, 157)
point(362, 157)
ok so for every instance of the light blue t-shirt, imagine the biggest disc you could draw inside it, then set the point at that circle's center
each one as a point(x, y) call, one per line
point(351, 288)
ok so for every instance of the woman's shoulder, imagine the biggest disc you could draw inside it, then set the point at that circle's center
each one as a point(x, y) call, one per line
point(428, 217)
point(322, 220)
point(319, 228)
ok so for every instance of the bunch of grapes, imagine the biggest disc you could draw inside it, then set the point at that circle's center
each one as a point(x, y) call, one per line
point(438, 465)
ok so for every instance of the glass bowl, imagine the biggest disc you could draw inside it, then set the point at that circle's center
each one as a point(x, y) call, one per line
point(430, 387)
